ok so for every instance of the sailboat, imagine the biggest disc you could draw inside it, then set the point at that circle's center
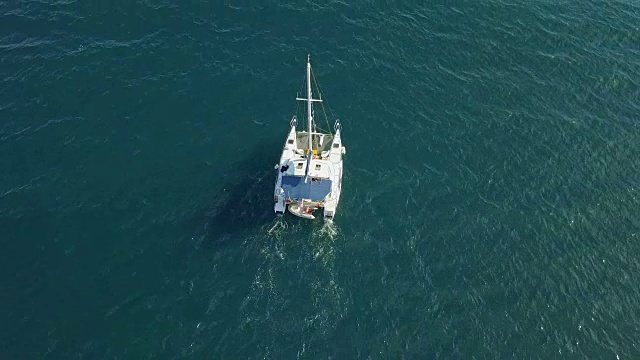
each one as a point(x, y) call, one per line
point(309, 174)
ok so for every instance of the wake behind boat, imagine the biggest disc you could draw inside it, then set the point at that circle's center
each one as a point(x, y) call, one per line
point(310, 169)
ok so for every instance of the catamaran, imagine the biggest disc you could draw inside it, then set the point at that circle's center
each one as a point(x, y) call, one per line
point(309, 174)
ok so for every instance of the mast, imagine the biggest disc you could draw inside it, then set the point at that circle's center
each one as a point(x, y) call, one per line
point(309, 102)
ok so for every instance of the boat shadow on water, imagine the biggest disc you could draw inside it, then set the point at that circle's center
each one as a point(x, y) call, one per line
point(244, 203)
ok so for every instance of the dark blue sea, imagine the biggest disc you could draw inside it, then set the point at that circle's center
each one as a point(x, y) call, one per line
point(491, 193)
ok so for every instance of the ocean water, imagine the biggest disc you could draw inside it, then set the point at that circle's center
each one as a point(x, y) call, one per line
point(491, 194)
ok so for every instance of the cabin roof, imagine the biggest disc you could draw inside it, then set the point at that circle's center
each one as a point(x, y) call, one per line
point(315, 189)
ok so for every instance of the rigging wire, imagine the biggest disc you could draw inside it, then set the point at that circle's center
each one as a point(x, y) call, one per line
point(322, 105)
point(297, 110)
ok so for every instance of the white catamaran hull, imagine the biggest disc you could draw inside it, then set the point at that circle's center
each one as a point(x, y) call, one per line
point(310, 168)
